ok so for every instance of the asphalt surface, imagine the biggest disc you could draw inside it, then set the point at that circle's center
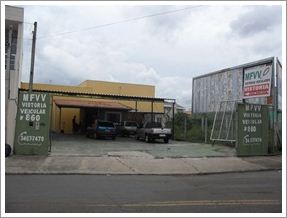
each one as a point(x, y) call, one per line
point(256, 192)
point(79, 145)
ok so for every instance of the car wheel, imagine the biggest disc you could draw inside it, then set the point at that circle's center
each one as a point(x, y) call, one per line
point(7, 150)
point(165, 140)
point(95, 135)
point(113, 138)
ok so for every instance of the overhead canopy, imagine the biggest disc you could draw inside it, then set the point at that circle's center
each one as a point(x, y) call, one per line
point(90, 104)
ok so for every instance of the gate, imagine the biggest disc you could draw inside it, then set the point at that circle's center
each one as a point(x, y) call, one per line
point(223, 128)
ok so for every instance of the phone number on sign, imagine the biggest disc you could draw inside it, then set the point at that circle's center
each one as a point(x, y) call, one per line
point(24, 138)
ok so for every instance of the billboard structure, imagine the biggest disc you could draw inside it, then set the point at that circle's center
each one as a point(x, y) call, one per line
point(253, 82)
point(258, 82)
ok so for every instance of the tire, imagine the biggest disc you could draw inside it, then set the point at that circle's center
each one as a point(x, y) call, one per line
point(147, 139)
point(165, 140)
point(7, 150)
point(113, 138)
point(95, 136)
point(137, 137)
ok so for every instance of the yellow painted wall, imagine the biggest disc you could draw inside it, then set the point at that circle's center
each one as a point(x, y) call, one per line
point(145, 106)
point(116, 88)
point(67, 114)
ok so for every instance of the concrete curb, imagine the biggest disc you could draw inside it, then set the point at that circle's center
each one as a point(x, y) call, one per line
point(136, 173)
point(126, 165)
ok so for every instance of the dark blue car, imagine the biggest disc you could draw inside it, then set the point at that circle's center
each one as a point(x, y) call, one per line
point(102, 129)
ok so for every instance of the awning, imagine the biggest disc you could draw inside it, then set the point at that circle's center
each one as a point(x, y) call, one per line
point(90, 104)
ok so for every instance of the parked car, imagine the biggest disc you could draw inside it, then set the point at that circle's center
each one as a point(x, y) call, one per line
point(102, 129)
point(127, 128)
point(153, 130)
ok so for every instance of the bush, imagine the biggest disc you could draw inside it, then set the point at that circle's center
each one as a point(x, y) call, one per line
point(193, 128)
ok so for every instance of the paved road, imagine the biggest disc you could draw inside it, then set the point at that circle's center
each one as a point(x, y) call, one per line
point(223, 193)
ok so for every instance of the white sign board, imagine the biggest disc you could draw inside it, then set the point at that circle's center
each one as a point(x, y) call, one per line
point(257, 81)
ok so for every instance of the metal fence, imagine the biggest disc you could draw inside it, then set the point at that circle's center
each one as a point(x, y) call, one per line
point(223, 128)
point(192, 129)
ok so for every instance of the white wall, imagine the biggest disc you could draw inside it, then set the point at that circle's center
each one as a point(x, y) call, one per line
point(16, 15)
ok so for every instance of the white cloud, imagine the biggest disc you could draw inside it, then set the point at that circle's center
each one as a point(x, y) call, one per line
point(165, 51)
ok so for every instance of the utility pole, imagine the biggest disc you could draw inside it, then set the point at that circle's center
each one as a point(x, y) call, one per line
point(32, 57)
point(7, 77)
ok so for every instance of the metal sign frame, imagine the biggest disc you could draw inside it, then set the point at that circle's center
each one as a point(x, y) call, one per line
point(263, 72)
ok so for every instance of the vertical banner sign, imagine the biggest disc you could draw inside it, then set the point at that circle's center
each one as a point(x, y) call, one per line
point(32, 123)
point(252, 130)
point(257, 81)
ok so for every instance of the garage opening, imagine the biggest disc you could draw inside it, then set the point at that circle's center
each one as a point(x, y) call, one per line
point(86, 112)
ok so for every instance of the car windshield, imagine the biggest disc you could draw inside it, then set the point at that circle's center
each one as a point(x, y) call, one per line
point(153, 125)
point(131, 124)
point(105, 124)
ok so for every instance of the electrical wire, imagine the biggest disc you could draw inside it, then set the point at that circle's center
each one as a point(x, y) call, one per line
point(118, 22)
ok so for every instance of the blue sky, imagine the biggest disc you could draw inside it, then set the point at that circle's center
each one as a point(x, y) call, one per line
point(166, 51)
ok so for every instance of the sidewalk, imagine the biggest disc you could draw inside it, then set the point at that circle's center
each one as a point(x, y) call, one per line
point(137, 163)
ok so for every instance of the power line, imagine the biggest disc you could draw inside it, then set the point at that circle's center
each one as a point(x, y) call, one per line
point(119, 22)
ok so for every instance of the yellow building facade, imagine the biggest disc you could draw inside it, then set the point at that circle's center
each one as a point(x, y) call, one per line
point(99, 100)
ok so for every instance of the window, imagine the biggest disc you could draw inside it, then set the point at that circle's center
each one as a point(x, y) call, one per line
point(13, 48)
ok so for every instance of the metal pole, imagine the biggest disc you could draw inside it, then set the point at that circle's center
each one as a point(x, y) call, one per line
point(274, 98)
point(185, 126)
point(173, 137)
point(205, 132)
point(231, 116)
point(136, 112)
point(151, 117)
point(51, 121)
point(60, 116)
point(222, 120)
point(214, 120)
point(202, 126)
point(32, 57)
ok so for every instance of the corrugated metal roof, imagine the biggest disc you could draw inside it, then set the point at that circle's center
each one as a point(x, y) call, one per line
point(76, 90)
point(58, 88)
point(91, 104)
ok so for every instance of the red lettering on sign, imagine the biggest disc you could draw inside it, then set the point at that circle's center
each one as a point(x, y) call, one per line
point(256, 90)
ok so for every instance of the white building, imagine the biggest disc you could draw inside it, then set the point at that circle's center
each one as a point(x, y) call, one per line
point(168, 107)
point(14, 17)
